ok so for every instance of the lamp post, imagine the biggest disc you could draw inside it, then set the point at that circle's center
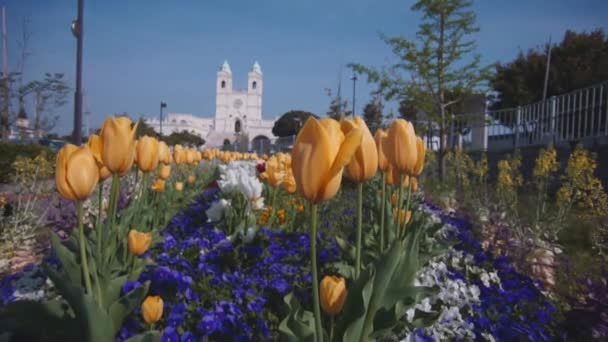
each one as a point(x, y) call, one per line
point(354, 78)
point(78, 32)
point(299, 121)
point(162, 105)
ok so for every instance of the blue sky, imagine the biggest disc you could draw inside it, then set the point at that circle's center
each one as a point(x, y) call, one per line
point(138, 52)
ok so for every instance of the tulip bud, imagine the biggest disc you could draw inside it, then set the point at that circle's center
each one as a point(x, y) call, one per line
point(403, 217)
point(319, 155)
point(76, 172)
point(96, 146)
point(179, 186)
point(138, 242)
point(118, 144)
point(392, 175)
point(364, 164)
point(191, 179)
point(400, 146)
point(165, 171)
point(379, 137)
point(147, 153)
point(394, 199)
point(332, 293)
point(158, 185)
point(152, 309)
point(421, 153)
point(164, 154)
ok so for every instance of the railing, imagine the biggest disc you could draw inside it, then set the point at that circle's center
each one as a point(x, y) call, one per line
point(575, 116)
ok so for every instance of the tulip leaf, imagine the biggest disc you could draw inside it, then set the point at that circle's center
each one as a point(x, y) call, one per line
point(346, 247)
point(298, 325)
point(150, 336)
point(68, 260)
point(345, 270)
point(31, 320)
point(357, 300)
point(121, 308)
point(112, 290)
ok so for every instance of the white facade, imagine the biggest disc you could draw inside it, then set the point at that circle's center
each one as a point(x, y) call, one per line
point(236, 112)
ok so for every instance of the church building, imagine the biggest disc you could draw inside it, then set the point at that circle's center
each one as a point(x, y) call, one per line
point(238, 113)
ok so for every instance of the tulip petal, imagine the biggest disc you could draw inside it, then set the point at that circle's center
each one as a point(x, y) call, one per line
point(352, 141)
point(61, 171)
point(82, 172)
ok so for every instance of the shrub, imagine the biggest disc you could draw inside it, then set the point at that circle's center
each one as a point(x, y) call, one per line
point(9, 153)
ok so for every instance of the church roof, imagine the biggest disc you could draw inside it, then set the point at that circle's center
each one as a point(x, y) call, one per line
point(226, 67)
point(256, 67)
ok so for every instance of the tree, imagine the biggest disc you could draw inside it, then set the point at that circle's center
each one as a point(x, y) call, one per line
point(183, 138)
point(290, 123)
point(433, 66)
point(337, 106)
point(144, 129)
point(372, 114)
point(49, 94)
point(580, 60)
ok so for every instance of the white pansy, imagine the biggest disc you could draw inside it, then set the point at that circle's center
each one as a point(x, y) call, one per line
point(217, 210)
point(249, 235)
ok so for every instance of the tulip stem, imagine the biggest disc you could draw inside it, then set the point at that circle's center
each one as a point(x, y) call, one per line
point(331, 327)
point(83, 250)
point(98, 223)
point(382, 209)
point(407, 205)
point(398, 215)
point(315, 276)
point(359, 228)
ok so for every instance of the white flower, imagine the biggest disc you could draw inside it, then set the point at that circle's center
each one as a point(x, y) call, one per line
point(249, 235)
point(217, 210)
point(257, 203)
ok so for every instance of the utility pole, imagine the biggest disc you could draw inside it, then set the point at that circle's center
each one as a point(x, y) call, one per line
point(547, 70)
point(78, 31)
point(162, 105)
point(4, 129)
point(354, 78)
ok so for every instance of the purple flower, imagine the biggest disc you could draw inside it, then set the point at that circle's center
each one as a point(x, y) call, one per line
point(169, 335)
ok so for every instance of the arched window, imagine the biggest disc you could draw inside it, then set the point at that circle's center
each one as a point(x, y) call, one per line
point(254, 85)
point(237, 126)
point(223, 84)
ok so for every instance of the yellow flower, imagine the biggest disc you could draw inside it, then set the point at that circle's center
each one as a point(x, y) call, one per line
point(96, 146)
point(420, 152)
point(76, 172)
point(158, 185)
point(191, 179)
point(118, 144)
point(179, 154)
point(332, 293)
point(379, 137)
point(300, 208)
point(152, 309)
point(364, 164)
point(319, 155)
point(165, 171)
point(139, 242)
point(179, 186)
point(147, 153)
point(164, 153)
point(400, 146)
point(403, 217)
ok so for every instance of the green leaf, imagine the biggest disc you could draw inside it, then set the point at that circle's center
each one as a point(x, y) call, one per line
point(111, 292)
point(298, 325)
point(424, 319)
point(121, 308)
point(68, 260)
point(150, 336)
point(346, 247)
point(350, 324)
point(345, 270)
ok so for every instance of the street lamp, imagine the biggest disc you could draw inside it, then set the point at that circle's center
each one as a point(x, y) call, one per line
point(299, 121)
point(162, 105)
point(77, 29)
point(354, 78)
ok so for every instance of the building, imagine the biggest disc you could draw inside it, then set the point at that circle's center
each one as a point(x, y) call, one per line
point(238, 114)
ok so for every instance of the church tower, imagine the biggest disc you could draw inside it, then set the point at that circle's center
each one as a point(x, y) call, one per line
point(254, 92)
point(223, 91)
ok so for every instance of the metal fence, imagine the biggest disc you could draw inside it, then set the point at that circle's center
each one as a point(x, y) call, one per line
point(576, 116)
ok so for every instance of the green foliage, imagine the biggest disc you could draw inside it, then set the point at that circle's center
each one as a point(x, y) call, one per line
point(290, 123)
point(183, 138)
point(372, 114)
point(580, 60)
point(9, 152)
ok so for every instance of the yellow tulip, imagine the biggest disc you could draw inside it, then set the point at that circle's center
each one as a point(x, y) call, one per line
point(118, 144)
point(76, 172)
point(379, 137)
point(164, 153)
point(96, 146)
point(179, 186)
point(319, 155)
point(403, 217)
point(158, 185)
point(165, 171)
point(139, 242)
point(179, 154)
point(152, 309)
point(392, 175)
point(332, 293)
point(400, 146)
point(191, 179)
point(147, 153)
point(420, 152)
point(190, 156)
point(364, 164)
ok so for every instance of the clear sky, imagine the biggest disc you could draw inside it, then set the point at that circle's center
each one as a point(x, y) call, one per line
point(138, 52)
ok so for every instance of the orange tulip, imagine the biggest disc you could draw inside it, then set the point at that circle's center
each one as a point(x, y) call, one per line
point(96, 146)
point(158, 185)
point(400, 146)
point(164, 153)
point(147, 153)
point(319, 155)
point(179, 186)
point(403, 217)
point(364, 164)
point(139, 242)
point(379, 137)
point(191, 179)
point(76, 172)
point(165, 171)
point(332, 293)
point(152, 309)
point(118, 144)
point(421, 153)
